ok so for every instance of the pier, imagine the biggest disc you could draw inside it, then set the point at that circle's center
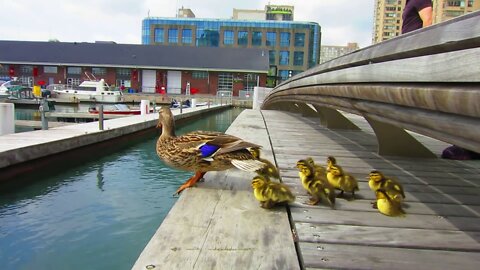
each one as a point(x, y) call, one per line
point(219, 224)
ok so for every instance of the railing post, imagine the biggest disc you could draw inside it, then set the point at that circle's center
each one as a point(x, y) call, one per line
point(100, 117)
point(42, 113)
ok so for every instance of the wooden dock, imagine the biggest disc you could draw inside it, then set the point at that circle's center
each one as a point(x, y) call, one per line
point(219, 225)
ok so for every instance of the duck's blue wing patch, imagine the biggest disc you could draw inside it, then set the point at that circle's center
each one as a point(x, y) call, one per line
point(208, 150)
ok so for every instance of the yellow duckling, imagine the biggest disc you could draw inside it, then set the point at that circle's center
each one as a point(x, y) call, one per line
point(270, 193)
point(341, 180)
point(330, 162)
point(319, 169)
point(387, 206)
point(315, 183)
point(376, 181)
point(269, 170)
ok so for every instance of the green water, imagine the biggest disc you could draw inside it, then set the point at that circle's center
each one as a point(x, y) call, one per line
point(96, 215)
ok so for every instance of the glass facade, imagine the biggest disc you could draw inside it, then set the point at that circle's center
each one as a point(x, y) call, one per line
point(275, 36)
point(159, 35)
point(257, 38)
point(298, 58)
point(187, 36)
point(271, 39)
point(242, 38)
point(271, 57)
point(284, 55)
point(228, 37)
point(284, 39)
point(173, 35)
point(299, 39)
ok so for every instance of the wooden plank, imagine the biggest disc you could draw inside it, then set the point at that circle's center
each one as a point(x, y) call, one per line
point(365, 218)
point(388, 237)
point(332, 256)
point(420, 208)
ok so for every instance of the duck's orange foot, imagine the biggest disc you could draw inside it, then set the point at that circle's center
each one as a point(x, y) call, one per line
point(190, 182)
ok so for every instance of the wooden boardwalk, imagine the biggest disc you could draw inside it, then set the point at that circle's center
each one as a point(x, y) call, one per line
point(440, 231)
point(219, 225)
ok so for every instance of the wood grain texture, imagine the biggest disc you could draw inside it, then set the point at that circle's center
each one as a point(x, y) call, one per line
point(440, 230)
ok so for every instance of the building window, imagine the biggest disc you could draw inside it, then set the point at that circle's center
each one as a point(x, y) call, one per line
point(187, 36)
point(271, 57)
point(74, 70)
point(225, 82)
point(283, 74)
point(159, 35)
point(228, 37)
point(271, 39)
point(207, 37)
point(199, 74)
point(300, 40)
point(50, 69)
point(123, 72)
point(284, 55)
point(172, 35)
point(26, 69)
point(242, 38)
point(298, 58)
point(250, 81)
point(256, 38)
point(284, 39)
point(99, 71)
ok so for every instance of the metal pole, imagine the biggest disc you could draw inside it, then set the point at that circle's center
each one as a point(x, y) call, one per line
point(100, 117)
point(181, 105)
point(42, 113)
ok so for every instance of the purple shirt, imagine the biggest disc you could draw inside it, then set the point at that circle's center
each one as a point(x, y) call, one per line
point(411, 18)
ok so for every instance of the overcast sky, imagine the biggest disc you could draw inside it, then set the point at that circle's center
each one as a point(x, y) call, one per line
point(342, 21)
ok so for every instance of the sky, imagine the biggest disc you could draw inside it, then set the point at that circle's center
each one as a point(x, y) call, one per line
point(342, 21)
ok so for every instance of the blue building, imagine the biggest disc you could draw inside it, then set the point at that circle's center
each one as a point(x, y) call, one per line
point(292, 47)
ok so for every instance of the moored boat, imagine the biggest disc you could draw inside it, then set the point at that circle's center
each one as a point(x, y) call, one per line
point(91, 91)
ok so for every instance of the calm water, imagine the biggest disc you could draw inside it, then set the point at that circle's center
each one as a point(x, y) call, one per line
point(97, 215)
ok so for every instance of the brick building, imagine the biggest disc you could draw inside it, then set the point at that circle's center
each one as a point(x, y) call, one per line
point(143, 68)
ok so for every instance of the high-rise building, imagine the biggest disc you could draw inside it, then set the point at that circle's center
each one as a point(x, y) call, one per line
point(388, 15)
point(445, 10)
point(292, 47)
point(328, 52)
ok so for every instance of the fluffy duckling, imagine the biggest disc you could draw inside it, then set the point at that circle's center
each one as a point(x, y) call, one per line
point(387, 206)
point(319, 169)
point(270, 193)
point(341, 180)
point(376, 181)
point(269, 170)
point(330, 162)
point(315, 183)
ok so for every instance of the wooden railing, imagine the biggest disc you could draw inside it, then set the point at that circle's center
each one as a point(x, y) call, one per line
point(426, 81)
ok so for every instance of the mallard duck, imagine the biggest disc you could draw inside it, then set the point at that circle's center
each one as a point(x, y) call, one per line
point(342, 180)
point(202, 151)
point(270, 193)
point(387, 206)
point(270, 170)
point(376, 181)
point(315, 183)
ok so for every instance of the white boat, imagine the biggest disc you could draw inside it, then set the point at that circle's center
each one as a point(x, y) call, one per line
point(91, 91)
